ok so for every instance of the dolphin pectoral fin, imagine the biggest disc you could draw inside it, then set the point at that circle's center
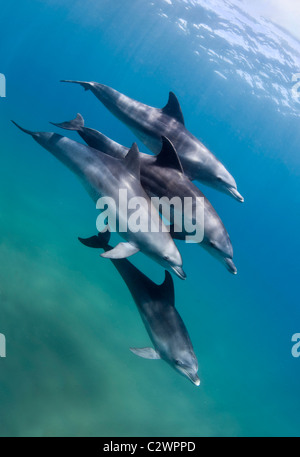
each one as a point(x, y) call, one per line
point(145, 353)
point(121, 251)
point(173, 108)
point(168, 156)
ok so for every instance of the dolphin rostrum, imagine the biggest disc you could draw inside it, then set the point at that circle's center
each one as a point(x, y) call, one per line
point(156, 305)
point(150, 124)
point(162, 176)
point(103, 175)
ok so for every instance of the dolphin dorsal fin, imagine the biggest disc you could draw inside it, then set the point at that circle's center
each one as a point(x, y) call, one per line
point(132, 161)
point(173, 108)
point(168, 156)
point(166, 290)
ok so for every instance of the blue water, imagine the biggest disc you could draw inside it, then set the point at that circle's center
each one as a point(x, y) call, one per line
point(68, 318)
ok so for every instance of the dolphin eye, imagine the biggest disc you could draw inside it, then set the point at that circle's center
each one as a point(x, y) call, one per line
point(178, 362)
point(166, 258)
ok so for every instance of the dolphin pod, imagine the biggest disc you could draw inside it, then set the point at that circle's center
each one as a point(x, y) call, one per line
point(103, 175)
point(150, 124)
point(156, 305)
point(106, 167)
point(158, 170)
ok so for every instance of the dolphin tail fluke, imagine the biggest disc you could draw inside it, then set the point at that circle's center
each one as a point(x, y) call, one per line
point(23, 130)
point(76, 124)
point(98, 242)
point(85, 84)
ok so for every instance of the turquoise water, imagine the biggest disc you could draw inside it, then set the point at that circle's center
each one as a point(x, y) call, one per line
point(68, 318)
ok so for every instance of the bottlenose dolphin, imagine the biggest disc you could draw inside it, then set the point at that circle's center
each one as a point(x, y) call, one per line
point(156, 305)
point(150, 124)
point(162, 176)
point(103, 175)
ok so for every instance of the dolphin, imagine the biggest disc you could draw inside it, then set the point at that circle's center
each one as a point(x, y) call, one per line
point(150, 124)
point(156, 305)
point(162, 176)
point(103, 175)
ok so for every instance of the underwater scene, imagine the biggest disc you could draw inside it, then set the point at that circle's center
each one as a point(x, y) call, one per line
point(125, 345)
